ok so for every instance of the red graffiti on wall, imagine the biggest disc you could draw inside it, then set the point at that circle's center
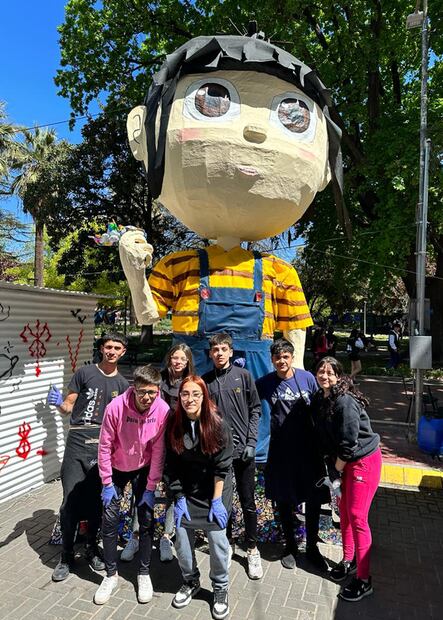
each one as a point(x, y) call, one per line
point(73, 356)
point(41, 452)
point(37, 340)
point(24, 447)
point(3, 460)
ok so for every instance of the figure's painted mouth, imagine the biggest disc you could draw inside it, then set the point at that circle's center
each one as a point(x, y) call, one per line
point(249, 171)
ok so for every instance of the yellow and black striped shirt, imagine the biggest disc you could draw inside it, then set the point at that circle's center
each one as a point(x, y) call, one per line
point(175, 280)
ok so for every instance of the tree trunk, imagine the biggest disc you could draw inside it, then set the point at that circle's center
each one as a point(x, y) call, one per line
point(38, 255)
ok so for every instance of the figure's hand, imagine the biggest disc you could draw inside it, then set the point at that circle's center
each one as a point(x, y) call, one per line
point(180, 511)
point(248, 454)
point(148, 498)
point(55, 397)
point(218, 512)
point(108, 494)
point(135, 248)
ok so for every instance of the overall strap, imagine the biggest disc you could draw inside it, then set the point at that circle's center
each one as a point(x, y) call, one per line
point(258, 271)
point(204, 268)
point(258, 288)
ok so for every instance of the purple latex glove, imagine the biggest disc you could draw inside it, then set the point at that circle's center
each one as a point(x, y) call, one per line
point(180, 511)
point(218, 512)
point(108, 494)
point(55, 397)
point(148, 498)
point(240, 361)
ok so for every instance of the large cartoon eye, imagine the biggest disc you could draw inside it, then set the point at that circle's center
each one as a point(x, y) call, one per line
point(212, 99)
point(294, 114)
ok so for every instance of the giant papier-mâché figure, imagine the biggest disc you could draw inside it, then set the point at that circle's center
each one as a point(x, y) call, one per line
point(236, 140)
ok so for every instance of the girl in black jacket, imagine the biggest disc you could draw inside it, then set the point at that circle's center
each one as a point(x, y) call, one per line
point(199, 475)
point(346, 437)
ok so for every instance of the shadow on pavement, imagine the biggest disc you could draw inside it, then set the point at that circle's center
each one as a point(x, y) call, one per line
point(407, 558)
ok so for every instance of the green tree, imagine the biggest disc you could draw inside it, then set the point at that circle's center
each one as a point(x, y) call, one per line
point(36, 165)
point(362, 51)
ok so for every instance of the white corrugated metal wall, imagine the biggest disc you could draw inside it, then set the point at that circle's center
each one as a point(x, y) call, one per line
point(45, 335)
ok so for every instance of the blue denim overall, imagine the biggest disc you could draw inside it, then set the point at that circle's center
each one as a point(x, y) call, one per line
point(239, 312)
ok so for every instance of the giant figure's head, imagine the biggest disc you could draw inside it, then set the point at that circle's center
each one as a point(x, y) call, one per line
point(239, 138)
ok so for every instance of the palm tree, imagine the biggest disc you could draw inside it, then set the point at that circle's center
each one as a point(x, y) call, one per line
point(8, 134)
point(35, 163)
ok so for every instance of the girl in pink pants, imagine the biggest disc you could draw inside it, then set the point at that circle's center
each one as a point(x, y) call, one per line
point(347, 439)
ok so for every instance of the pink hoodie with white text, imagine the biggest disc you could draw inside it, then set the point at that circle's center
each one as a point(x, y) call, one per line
point(130, 440)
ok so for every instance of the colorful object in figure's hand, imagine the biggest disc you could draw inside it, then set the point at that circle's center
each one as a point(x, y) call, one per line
point(55, 397)
point(218, 512)
point(148, 498)
point(112, 234)
point(108, 494)
point(180, 511)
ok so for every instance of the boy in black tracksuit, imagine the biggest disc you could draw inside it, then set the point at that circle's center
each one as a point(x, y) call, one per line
point(233, 390)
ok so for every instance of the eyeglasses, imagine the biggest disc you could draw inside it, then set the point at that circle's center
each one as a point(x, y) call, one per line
point(189, 395)
point(142, 393)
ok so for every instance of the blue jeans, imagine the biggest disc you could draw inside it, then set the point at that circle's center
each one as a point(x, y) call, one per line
point(218, 556)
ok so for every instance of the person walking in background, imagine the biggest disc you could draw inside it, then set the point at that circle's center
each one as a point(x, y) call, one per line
point(294, 464)
point(90, 390)
point(354, 347)
point(199, 475)
point(331, 340)
point(346, 438)
point(320, 344)
point(233, 390)
point(394, 346)
point(131, 449)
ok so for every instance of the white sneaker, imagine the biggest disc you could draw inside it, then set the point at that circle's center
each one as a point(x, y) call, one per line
point(255, 569)
point(220, 608)
point(145, 591)
point(105, 589)
point(130, 550)
point(166, 545)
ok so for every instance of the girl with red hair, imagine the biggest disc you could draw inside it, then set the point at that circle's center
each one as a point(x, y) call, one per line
point(198, 474)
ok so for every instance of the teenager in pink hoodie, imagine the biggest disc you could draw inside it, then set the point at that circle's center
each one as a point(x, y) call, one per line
point(131, 449)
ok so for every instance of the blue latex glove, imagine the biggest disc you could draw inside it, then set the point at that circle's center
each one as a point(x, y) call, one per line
point(148, 498)
point(180, 511)
point(218, 512)
point(248, 454)
point(55, 397)
point(108, 494)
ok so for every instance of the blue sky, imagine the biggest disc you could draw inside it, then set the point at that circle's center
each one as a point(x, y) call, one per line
point(30, 53)
point(30, 58)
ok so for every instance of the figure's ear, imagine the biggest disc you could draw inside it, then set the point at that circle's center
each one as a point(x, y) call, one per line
point(135, 126)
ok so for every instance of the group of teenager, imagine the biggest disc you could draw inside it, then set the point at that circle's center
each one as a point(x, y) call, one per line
point(198, 434)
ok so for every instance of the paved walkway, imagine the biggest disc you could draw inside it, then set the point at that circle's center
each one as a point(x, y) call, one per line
point(407, 571)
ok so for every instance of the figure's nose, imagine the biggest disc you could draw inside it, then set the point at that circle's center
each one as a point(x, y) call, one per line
point(254, 133)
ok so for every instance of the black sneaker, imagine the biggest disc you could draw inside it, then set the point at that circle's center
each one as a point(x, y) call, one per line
point(342, 570)
point(94, 557)
point(288, 558)
point(314, 556)
point(356, 590)
point(220, 609)
point(184, 596)
point(61, 571)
